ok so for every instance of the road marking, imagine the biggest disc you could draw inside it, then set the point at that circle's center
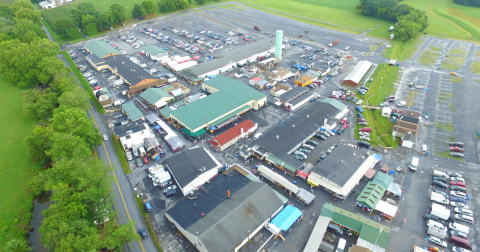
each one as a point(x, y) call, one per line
point(116, 181)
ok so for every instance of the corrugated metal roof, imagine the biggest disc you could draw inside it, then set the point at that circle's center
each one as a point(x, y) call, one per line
point(131, 110)
point(233, 96)
point(278, 178)
point(231, 57)
point(371, 195)
point(334, 102)
point(100, 48)
point(153, 95)
point(153, 50)
point(370, 234)
point(230, 134)
point(357, 73)
point(383, 179)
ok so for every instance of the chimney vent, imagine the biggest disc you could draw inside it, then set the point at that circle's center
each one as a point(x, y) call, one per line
point(228, 194)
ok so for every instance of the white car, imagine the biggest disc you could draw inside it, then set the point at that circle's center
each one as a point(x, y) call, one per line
point(86, 75)
point(330, 149)
point(256, 136)
point(436, 240)
point(113, 77)
point(457, 179)
point(463, 211)
point(401, 103)
point(359, 102)
point(153, 70)
point(135, 153)
point(105, 137)
point(458, 249)
point(458, 204)
point(129, 155)
point(465, 218)
point(364, 134)
point(172, 187)
point(458, 194)
point(365, 138)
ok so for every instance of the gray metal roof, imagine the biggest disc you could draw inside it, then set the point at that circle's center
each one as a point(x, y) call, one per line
point(130, 71)
point(185, 166)
point(135, 126)
point(357, 73)
point(226, 221)
point(340, 164)
point(290, 136)
point(290, 94)
point(233, 56)
point(152, 118)
point(95, 59)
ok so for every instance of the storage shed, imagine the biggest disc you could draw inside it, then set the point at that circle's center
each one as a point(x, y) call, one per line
point(356, 74)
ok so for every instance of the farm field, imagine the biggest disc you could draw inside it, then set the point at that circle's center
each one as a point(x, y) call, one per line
point(16, 167)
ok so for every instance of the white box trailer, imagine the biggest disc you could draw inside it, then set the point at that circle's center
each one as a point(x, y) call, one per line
point(156, 168)
point(440, 211)
point(163, 177)
point(437, 232)
point(439, 198)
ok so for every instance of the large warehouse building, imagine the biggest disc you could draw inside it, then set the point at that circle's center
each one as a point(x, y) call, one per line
point(104, 56)
point(225, 61)
point(277, 145)
point(222, 106)
point(356, 74)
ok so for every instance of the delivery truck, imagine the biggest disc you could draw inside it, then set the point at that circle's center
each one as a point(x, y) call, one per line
point(440, 211)
point(439, 198)
point(437, 232)
point(152, 170)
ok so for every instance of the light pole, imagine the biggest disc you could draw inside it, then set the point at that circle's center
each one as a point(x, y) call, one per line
point(249, 235)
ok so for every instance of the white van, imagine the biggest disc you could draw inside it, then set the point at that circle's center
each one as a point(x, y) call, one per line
point(142, 151)
point(341, 245)
point(439, 174)
point(439, 198)
point(392, 36)
point(414, 164)
point(432, 223)
point(118, 102)
point(459, 227)
point(118, 82)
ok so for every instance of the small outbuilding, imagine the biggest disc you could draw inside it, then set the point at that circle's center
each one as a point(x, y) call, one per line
point(357, 73)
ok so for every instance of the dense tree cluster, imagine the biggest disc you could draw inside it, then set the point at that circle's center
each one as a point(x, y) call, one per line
point(81, 219)
point(410, 21)
point(475, 3)
point(171, 5)
point(144, 8)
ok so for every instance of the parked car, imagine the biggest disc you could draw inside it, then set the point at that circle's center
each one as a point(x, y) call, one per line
point(430, 217)
point(454, 174)
point(135, 153)
point(171, 193)
point(459, 234)
point(363, 123)
point(444, 180)
point(458, 204)
point(458, 249)
point(457, 154)
point(366, 129)
point(462, 210)
point(172, 187)
point(455, 183)
point(458, 188)
point(464, 218)
point(458, 194)
point(457, 179)
point(457, 149)
point(354, 99)
point(437, 241)
point(457, 144)
point(361, 120)
point(105, 138)
point(330, 149)
point(145, 159)
point(129, 155)
point(401, 103)
point(320, 136)
point(457, 199)
point(438, 183)
point(359, 115)
point(359, 102)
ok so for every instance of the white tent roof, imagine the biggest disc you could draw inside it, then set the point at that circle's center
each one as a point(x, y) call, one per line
point(395, 189)
point(184, 65)
point(278, 178)
point(359, 71)
point(386, 208)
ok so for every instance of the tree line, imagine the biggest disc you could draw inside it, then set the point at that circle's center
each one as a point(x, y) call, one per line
point(474, 3)
point(410, 21)
point(62, 142)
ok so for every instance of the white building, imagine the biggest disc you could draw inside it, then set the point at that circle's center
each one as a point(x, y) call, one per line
point(48, 4)
point(133, 135)
point(192, 168)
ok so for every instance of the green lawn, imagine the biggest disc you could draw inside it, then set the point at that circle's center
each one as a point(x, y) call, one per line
point(16, 167)
point(429, 58)
point(452, 63)
point(475, 67)
point(121, 155)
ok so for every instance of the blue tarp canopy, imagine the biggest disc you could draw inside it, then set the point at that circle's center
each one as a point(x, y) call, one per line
point(285, 219)
point(157, 127)
point(377, 157)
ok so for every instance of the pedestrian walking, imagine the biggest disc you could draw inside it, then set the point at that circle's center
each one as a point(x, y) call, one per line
point(313, 214)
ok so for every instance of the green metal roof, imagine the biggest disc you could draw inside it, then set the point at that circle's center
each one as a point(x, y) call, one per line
point(357, 223)
point(383, 179)
point(371, 194)
point(100, 48)
point(196, 134)
point(334, 102)
point(131, 110)
point(153, 95)
point(153, 50)
point(280, 162)
point(370, 234)
point(166, 112)
point(232, 98)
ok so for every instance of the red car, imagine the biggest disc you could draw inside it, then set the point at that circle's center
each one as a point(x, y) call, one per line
point(366, 129)
point(353, 95)
point(333, 96)
point(349, 56)
point(145, 160)
point(97, 88)
point(361, 120)
point(457, 183)
point(300, 36)
point(345, 125)
point(344, 96)
point(247, 39)
point(344, 120)
point(457, 149)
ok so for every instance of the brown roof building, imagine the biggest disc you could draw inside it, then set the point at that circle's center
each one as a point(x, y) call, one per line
point(233, 135)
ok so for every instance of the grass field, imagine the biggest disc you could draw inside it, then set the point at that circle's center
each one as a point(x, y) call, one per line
point(475, 67)
point(121, 156)
point(16, 167)
point(429, 58)
point(452, 63)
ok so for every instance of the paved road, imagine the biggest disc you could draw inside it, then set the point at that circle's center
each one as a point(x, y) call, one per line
point(128, 211)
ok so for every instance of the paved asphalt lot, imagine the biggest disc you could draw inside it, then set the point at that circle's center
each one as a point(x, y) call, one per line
point(442, 101)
